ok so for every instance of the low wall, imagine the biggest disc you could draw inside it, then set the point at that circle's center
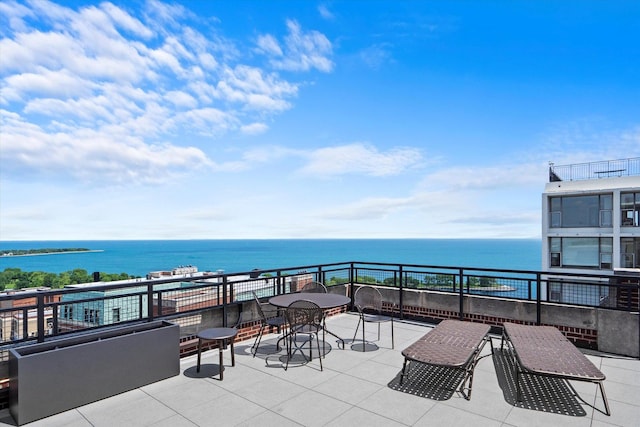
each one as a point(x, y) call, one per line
point(605, 330)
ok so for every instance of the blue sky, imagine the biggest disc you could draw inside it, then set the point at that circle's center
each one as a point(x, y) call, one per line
point(304, 119)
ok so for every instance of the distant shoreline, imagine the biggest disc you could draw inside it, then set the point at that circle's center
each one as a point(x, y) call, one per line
point(5, 255)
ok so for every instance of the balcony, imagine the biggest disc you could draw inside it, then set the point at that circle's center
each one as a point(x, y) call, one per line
point(355, 388)
point(597, 312)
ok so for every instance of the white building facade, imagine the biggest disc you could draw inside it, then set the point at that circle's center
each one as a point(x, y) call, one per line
point(591, 225)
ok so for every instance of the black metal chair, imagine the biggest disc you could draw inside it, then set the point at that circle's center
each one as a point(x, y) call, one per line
point(314, 287)
point(368, 302)
point(266, 321)
point(303, 318)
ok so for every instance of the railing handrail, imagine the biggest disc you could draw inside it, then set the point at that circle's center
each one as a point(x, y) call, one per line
point(229, 289)
point(595, 170)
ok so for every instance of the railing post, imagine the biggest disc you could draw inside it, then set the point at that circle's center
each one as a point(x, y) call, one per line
point(149, 302)
point(279, 284)
point(25, 323)
point(40, 310)
point(224, 300)
point(351, 279)
point(401, 290)
point(159, 304)
point(461, 294)
point(538, 299)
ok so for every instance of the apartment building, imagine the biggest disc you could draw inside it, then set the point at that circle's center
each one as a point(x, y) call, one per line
point(591, 225)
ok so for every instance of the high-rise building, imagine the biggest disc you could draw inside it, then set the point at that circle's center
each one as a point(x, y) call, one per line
point(591, 225)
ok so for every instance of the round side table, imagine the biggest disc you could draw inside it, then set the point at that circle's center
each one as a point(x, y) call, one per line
point(221, 335)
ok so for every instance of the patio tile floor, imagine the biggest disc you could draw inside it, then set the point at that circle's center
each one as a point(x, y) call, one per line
point(354, 388)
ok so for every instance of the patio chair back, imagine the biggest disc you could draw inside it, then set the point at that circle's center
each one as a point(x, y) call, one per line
point(274, 321)
point(304, 314)
point(303, 317)
point(368, 300)
point(314, 287)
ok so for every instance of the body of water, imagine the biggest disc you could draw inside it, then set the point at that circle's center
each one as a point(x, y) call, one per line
point(139, 257)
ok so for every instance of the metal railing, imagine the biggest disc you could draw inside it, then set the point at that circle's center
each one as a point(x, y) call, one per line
point(595, 170)
point(40, 315)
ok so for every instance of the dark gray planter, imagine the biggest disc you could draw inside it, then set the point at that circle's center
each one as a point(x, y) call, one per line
point(59, 375)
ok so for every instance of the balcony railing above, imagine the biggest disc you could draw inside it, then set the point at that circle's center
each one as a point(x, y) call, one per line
point(595, 170)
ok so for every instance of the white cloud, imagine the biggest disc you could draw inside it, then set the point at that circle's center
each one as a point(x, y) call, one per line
point(303, 51)
point(324, 11)
point(181, 99)
point(375, 56)
point(360, 158)
point(269, 45)
point(87, 154)
point(100, 82)
point(254, 128)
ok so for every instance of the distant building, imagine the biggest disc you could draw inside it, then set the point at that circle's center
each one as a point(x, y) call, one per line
point(183, 270)
point(17, 321)
point(591, 224)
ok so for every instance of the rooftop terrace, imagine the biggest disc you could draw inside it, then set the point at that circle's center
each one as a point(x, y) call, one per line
point(357, 388)
point(595, 170)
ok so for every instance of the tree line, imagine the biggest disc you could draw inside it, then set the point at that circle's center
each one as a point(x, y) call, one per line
point(17, 252)
point(15, 278)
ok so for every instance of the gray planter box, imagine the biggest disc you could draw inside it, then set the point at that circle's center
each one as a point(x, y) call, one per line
point(55, 376)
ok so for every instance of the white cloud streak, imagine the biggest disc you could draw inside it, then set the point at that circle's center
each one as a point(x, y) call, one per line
point(107, 91)
point(360, 158)
point(301, 51)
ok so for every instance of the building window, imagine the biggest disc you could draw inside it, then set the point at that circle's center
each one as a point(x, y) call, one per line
point(581, 252)
point(67, 312)
point(555, 291)
point(630, 208)
point(630, 252)
point(91, 315)
point(581, 211)
point(115, 315)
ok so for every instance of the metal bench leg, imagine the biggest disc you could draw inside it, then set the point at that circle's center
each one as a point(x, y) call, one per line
point(404, 370)
point(604, 398)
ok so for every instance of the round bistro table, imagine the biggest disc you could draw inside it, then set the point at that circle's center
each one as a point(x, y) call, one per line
point(221, 335)
point(324, 301)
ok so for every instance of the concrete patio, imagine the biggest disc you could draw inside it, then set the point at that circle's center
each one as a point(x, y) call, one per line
point(357, 388)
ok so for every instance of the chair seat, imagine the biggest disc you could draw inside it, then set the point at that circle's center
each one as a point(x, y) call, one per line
point(276, 321)
point(375, 318)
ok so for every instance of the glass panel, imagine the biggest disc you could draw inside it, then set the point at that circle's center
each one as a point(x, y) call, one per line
point(606, 218)
point(626, 200)
point(555, 244)
point(606, 252)
point(581, 211)
point(555, 203)
point(581, 252)
point(627, 217)
point(606, 201)
point(556, 219)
